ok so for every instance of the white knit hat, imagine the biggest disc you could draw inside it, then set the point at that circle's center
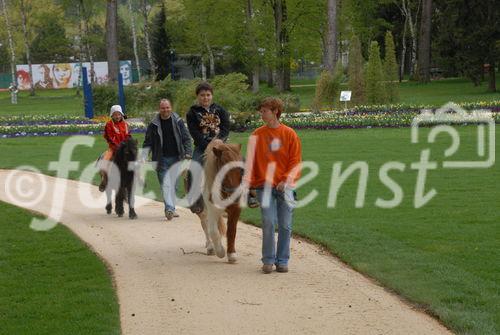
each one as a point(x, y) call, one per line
point(116, 108)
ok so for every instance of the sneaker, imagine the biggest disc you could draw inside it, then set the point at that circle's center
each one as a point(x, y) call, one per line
point(267, 268)
point(252, 201)
point(169, 214)
point(282, 268)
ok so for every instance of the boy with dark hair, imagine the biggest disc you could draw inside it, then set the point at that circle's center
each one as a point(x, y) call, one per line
point(207, 121)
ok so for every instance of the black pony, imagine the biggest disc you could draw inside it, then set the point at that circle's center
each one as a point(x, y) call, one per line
point(124, 187)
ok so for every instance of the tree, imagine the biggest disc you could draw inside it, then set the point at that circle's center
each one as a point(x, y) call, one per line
point(375, 90)
point(424, 47)
point(254, 62)
point(355, 71)
point(112, 39)
point(328, 87)
point(145, 9)
point(134, 38)
point(161, 45)
point(410, 9)
point(25, 8)
point(390, 68)
point(51, 44)
point(11, 42)
point(282, 44)
point(467, 38)
point(330, 57)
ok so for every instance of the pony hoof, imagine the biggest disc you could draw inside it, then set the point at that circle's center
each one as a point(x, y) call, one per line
point(220, 252)
point(132, 216)
point(109, 209)
point(210, 252)
point(232, 257)
point(120, 215)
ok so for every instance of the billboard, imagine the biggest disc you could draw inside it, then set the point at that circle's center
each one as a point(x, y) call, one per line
point(65, 75)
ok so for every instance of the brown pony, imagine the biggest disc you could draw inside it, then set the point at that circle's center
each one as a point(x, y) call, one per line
point(217, 155)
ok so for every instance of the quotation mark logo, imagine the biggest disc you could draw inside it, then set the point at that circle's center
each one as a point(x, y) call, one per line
point(449, 114)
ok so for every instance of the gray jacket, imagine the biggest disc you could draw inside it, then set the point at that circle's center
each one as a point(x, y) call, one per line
point(154, 138)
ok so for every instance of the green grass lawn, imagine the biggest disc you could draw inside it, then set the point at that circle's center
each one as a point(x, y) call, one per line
point(436, 93)
point(53, 102)
point(50, 282)
point(443, 257)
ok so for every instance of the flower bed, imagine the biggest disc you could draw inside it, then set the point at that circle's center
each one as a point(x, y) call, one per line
point(360, 117)
point(49, 126)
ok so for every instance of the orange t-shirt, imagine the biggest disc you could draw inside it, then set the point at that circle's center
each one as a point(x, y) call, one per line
point(280, 146)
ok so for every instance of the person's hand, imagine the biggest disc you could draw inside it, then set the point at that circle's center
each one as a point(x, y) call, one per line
point(281, 186)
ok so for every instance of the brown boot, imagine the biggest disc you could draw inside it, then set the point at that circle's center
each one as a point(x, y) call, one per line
point(104, 181)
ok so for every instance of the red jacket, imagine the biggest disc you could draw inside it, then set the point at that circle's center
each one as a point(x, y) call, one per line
point(115, 133)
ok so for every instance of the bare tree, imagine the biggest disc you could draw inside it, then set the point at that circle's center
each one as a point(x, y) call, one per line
point(86, 12)
point(407, 8)
point(11, 43)
point(24, 18)
point(403, 50)
point(112, 39)
point(330, 50)
point(134, 39)
point(253, 46)
point(424, 48)
point(146, 9)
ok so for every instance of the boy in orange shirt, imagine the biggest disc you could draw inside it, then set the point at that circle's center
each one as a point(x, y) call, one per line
point(273, 172)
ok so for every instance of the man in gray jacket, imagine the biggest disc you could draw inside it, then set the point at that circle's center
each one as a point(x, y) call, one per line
point(169, 142)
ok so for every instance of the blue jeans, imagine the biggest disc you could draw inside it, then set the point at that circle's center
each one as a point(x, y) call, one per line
point(168, 185)
point(276, 208)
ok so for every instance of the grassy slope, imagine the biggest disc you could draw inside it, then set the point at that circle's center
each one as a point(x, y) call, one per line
point(55, 102)
point(443, 256)
point(51, 283)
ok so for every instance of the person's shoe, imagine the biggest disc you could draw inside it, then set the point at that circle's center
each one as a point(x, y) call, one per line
point(252, 201)
point(282, 268)
point(267, 268)
point(169, 215)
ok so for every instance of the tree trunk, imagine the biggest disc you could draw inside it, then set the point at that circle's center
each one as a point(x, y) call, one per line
point(330, 51)
point(27, 44)
point(270, 78)
point(403, 51)
point(211, 59)
point(203, 69)
point(253, 47)
point(88, 48)
point(492, 85)
point(412, 24)
point(282, 46)
point(112, 39)
point(79, 7)
point(424, 48)
point(134, 39)
point(11, 43)
point(145, 13)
